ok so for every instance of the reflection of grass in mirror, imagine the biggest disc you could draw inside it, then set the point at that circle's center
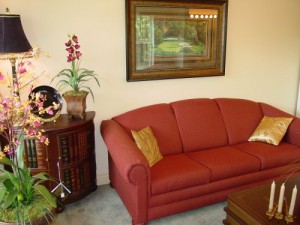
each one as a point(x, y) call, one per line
point(169, 47)
point(174, 47)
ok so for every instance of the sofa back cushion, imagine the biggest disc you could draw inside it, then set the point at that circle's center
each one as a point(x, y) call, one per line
point(161, 119)
point(241, 117)
point(200, 124)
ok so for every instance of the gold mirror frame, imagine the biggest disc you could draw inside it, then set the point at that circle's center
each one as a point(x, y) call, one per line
point(175, 39)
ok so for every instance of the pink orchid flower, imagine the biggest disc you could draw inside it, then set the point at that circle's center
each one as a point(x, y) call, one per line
point(31, 131)
point(50, 111)
point(75, 39)
point(22, 70)
point(78, 54)
point(70, 50)
point(43, 139)
point(68, 43)
point(37, 123)
point(71, 58)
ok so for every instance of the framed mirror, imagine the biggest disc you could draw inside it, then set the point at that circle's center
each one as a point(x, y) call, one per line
point(175, 38)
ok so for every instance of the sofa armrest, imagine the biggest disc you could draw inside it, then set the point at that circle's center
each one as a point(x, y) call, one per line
point(128, 158)
point(293, 133)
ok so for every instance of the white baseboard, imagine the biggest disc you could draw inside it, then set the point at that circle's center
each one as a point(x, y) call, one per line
point(102, 179)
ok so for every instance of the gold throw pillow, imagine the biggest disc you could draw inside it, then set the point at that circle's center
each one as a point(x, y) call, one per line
point(271, 130)
point(146, 142)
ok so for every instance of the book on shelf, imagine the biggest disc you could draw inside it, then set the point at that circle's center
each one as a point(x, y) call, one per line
point(64, 149)
point(82, 144)
point(40, 155)
point(29, 152)
point(33, 153)
point(80, 147)
point(67, 179)
point(71, 149)
point(26, 156)
point(75, 146)
point(73, 180)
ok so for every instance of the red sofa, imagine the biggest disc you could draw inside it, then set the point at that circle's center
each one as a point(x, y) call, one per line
point(205, 151)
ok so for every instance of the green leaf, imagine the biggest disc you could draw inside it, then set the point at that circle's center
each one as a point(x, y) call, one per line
point(64, 72)
point(90, 90)
point(62, 84)
point(26, 184)
point(46, 194)
point(12, 178)
point(8, 185)
point(67, 74)
point(7, 161)
point(41, 176)
point(75, 77)
point(20, 151)
point(9, 199)
point(2, 193)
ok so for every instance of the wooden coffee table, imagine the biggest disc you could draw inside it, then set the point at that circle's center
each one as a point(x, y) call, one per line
point(249, 207)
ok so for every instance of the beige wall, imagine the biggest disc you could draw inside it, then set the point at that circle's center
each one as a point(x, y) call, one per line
point(262, 64)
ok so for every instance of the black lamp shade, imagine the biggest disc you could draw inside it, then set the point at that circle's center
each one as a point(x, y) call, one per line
point(12, 36)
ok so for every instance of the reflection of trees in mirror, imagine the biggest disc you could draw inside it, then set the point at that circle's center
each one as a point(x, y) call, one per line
point(171, 37)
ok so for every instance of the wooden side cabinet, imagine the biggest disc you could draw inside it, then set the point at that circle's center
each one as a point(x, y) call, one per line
point(72, 144)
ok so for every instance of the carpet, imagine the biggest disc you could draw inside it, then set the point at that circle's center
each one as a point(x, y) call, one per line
point(104, 207)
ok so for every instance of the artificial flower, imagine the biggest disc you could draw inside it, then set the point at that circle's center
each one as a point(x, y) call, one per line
point(75, 77)
point(18, 187)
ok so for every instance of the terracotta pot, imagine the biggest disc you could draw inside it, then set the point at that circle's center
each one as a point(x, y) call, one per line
point(76, 104)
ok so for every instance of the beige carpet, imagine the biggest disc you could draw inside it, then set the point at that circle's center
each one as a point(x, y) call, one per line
point(104, 207)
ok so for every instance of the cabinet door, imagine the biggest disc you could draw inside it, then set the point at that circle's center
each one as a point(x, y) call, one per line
point(76, 152)
point(73, 146)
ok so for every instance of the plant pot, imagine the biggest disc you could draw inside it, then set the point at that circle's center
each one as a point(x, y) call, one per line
point(38, 221)
point(76, 104)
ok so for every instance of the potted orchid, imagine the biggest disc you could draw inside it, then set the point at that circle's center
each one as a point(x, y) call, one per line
point(75, 78)
point(23, 197)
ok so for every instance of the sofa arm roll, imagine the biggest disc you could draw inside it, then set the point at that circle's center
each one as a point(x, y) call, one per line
point(293, 133)
point(124, 152)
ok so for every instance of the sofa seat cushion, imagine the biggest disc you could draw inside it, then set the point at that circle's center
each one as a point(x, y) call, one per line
point(270, 155)
point(217, 186)
point(175, 172)
point(225, 162)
